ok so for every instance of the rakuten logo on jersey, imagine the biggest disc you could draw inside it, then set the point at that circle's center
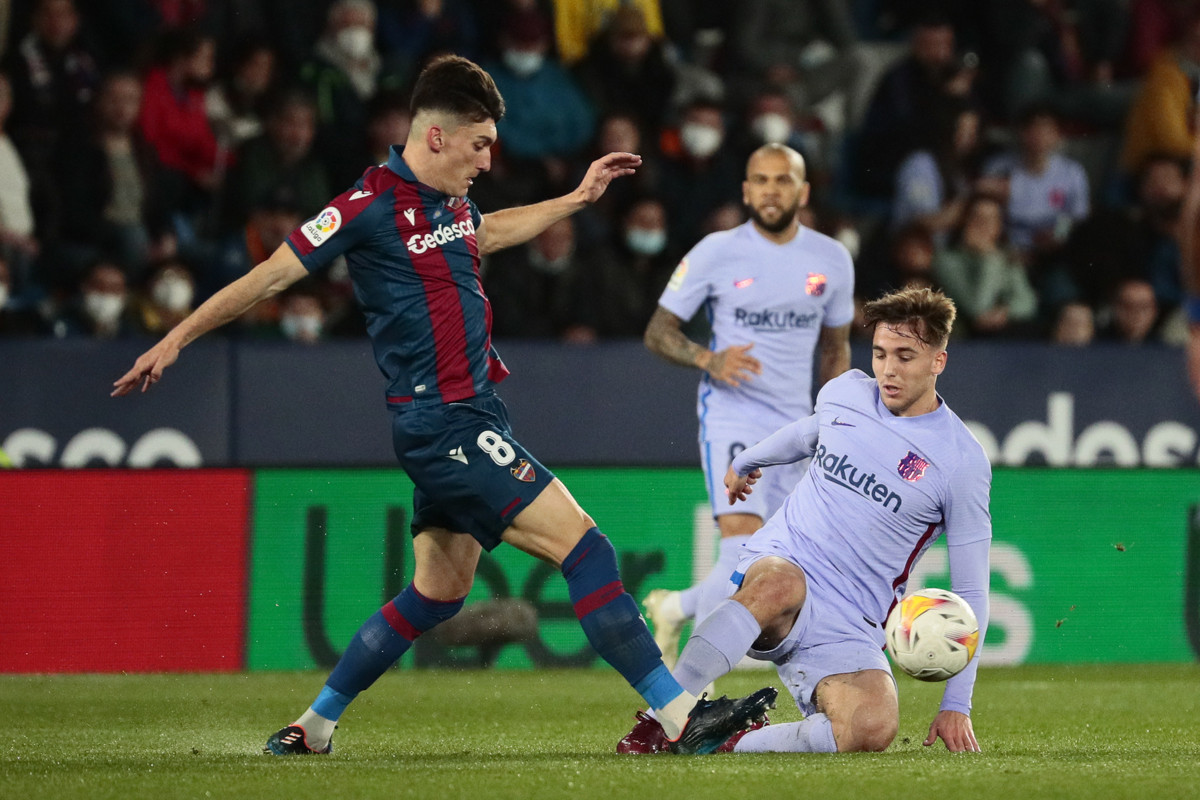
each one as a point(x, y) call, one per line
point(768, 320)
point(839, 470)
point(445, 234)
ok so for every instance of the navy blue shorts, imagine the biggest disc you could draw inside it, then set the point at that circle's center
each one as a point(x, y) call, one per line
point(471, 475)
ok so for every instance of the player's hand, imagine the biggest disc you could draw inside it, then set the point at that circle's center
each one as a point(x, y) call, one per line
point(733, 365)
point(738, 487)
point(148, 369)
point(953, 728)
point(602, 171)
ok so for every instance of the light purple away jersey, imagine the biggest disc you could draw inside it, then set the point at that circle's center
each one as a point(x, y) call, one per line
point(777, 297)
point(880, 490)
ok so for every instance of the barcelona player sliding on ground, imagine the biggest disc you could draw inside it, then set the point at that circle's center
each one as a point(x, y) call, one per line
point(892, 469)
point(412, 241)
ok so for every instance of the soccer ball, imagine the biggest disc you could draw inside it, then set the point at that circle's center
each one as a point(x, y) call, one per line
point(932, 634)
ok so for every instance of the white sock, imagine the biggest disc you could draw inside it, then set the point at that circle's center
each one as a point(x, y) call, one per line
point(810, 735)
point(714, 589)
point(674, 715)
point(672, 610)
point(317, 729)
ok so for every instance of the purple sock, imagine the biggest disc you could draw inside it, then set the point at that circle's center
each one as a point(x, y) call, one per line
point(716, 646)
point(810, 735)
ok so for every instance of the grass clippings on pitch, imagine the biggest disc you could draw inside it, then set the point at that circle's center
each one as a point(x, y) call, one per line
point(1105, 732)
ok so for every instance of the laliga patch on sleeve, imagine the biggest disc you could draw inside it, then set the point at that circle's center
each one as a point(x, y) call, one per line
point(678, 275)
point(321, 227)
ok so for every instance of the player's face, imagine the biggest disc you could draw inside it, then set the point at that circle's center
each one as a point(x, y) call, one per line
point(773, 191)
point(906, 370)
point(466, 152)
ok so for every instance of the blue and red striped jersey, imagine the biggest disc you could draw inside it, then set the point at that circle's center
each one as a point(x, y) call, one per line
point(414, 263)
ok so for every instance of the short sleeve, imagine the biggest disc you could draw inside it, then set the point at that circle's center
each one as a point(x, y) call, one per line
point(968, 498)
point(840, 308)
point(346, 222)
point(690, 284)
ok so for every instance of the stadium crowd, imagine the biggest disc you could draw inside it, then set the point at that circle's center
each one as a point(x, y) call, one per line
point(1027, 156)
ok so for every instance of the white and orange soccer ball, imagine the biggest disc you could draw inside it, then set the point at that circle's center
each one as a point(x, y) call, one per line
point(932, 634)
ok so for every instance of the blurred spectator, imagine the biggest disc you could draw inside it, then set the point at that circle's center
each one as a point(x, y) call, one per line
point(54, 78)
point(771, 118)
point(1161, 116)
point(18, 317)
point(344, 72)
point(1139, 241)
point(100, 308)
point(1133, 313)
point(280, 159)
point(618, 291)
point(174, 122)
point(932, 185)
point(1153, 26)
point(911, 94)
point(1061, 52)
point(726, 217)
point(548, 118)
point(1047, 192)
point(1075, 325)
point(616, 133)
point(235, 103)
point(577, 23)
point(805, 49)
point(271, 219)
point(627, 70)
point(107, 179)
point(169, 297)
point(302, 317)
point(17, 242)
point(698, 173)
point(531, 286)
point(993, 295)
point(388, 123)
point(413, 31)
point(908, 261)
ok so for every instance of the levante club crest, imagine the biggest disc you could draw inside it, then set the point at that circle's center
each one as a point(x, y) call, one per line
point(912, 467)
point(523, 471)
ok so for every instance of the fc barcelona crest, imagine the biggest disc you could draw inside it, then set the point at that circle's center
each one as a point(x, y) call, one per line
point(815, 284)
point(912, 467)
point(523, 471)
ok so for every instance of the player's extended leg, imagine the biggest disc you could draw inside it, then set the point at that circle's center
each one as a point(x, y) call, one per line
point(554, 528)
point(444, 572)
point(857, 712)
point(761, 613)
point(669, 610)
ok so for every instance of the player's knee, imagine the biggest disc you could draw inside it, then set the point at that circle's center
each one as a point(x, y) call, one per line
point(870, 730)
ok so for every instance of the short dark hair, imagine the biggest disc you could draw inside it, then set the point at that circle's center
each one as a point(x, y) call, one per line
point(930, 313)
point(457, 86)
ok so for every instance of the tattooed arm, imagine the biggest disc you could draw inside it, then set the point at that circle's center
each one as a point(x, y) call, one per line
point(665, 338)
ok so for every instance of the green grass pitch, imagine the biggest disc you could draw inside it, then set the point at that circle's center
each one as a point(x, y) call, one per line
point(1098, 732)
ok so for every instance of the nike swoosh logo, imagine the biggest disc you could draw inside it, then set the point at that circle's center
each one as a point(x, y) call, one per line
point(359, 195)
point(837, 421)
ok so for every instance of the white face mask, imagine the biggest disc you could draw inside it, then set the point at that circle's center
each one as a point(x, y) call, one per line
point(523, 62)
point(301, 327)
point(772, 128)
point(355, 41)
point(104, 308)
point(3, 295)
point(173, 293)
point(700, 140)
point(646, 242)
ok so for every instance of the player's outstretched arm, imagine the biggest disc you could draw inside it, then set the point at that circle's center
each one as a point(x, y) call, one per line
point(953, 728)
point(270, 277)
point(665, 338)
point(513, 226)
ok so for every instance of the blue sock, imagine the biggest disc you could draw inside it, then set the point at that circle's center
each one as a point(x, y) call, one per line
point(378, 644)
point(611, 620)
